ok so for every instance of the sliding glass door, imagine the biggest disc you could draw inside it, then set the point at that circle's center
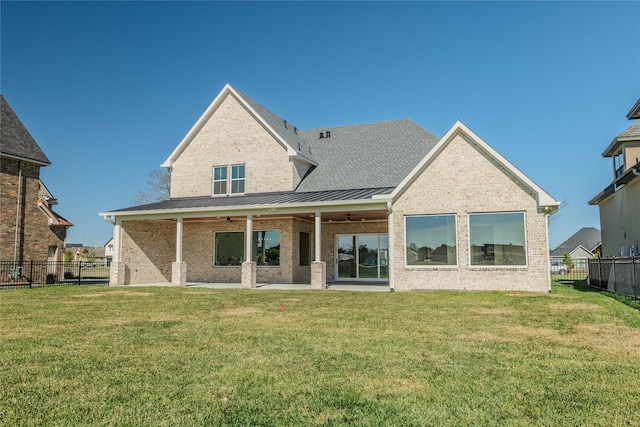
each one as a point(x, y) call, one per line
point(362, 257)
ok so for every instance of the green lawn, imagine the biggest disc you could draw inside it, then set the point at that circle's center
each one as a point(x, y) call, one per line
point(80, 356)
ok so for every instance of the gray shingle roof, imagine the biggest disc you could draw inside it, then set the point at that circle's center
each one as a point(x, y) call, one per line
point(587, 237)
point(276, 198)
point(366, 156)
point(632, 131)
point(288, 133)
point(15, 140)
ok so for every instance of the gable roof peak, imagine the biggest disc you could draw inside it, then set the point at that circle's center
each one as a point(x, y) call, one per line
point(17, 142)
point(286, 135)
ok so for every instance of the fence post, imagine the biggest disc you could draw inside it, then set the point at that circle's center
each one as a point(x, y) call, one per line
point(599, 275)
point(79, 271)
point(31, 274)
point(633, 277)
point(613, 266)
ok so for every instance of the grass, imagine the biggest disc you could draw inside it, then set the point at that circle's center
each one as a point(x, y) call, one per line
point(173, 356)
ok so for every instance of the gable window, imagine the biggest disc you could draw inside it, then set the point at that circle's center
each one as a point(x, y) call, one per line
point(220, 180)
point(237, 179)
point(431, 240)
point(228, 183)
point(497, 239)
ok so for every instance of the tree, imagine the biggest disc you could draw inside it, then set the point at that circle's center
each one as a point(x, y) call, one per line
point(158, 188)
point(568, 261)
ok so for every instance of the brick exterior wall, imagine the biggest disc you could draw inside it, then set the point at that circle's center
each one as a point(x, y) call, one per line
point(149, 251)
point(35, 236)
point(463, 180)
point(233, 136)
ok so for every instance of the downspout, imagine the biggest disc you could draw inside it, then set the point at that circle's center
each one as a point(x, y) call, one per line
point(18, 206)
point(391, 240)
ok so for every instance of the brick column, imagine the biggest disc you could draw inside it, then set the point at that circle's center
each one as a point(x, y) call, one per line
point(117, 274)
point(179, 273)
point(318, 275)
point(249, 274)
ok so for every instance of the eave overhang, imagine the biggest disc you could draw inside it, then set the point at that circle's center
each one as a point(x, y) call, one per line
point(622, 180)
point(634, 113)
point(235, 206)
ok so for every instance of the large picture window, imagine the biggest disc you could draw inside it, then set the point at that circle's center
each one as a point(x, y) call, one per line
point(430, 240)
point(229, 248)
point(497, 239)
point(266, 247)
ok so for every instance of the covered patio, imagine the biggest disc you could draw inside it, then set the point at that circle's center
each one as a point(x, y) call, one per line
point(213, 241)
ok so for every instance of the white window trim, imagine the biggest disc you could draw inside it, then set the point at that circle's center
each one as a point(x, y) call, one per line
point(499, 267)
point(432, 267)
point(229, 180)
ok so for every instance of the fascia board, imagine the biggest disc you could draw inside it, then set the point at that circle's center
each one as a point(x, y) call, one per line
point(25, 159)
point(197, 126)
point(53, 220)
point(615, 145)
point(292, 208)
point(544, 199)
point(600, 197)
point(228, 90)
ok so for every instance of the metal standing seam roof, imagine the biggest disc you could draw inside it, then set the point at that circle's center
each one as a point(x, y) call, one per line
point(258, 199)
point(16, 140)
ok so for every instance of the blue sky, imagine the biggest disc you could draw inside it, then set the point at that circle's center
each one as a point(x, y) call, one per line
point(108, 89)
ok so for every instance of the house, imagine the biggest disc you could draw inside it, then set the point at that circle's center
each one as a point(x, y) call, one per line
point(254, 199)
point(619, 202)
point(581, 246)
point(30, 230)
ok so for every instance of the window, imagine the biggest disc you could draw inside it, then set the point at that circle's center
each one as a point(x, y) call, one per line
point(237, 179)
point(306, 243)
point(266, 247)
point(430, 240)
point(618, 164)
point(225, 184)
point(497, 239)
point(219, 180)
point(229, 248)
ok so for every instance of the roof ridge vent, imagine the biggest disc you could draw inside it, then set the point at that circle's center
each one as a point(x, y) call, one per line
point(328, 133)
point(321, 135)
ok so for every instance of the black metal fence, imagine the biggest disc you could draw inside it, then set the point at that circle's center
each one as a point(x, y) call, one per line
point(617, 275)
point(31, 274)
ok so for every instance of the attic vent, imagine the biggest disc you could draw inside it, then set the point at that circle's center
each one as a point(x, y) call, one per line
point(321, 135)
point(285, 124)
point(298, 146)
point(328, 134)
point(295, 130)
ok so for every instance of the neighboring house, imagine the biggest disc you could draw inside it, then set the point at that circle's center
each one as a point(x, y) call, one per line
point(108, 252)
point(582, 246)
point(93, 254)
point(619, 203)
point(254, 199)
point(30, 230)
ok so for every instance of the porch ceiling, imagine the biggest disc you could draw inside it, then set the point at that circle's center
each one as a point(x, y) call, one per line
point(345, 216)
